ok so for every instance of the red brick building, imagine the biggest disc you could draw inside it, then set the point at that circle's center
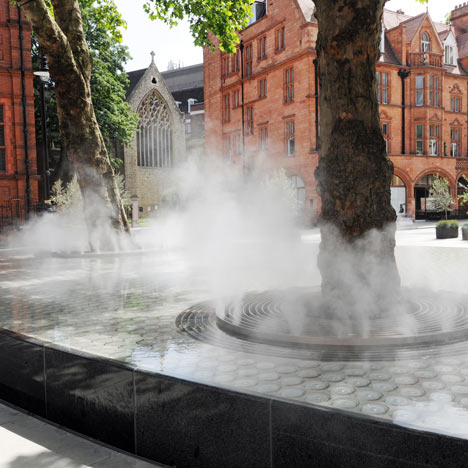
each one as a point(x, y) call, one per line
point(271, 101)
point(18, 172)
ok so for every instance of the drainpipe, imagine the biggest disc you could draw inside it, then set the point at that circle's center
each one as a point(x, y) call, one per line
point(316, 105)
point(25, 123)
point(241, 47)
point(403, 74)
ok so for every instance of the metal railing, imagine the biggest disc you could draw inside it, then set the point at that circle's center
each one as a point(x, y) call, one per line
point(13, 213)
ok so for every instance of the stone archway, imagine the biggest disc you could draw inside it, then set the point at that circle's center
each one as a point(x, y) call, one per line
point(462, 187)
point(398, 195)
point(424, 208)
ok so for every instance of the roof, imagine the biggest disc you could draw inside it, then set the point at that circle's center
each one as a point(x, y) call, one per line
point(462, 43)
point(176, 80)
point(184, 95)
point(443, 34)
point(184, 78)
point(392, 19)
point(413, 25)
point(389, 56)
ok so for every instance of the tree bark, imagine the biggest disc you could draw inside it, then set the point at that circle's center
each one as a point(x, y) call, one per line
point(354, 173)
point(63, 42)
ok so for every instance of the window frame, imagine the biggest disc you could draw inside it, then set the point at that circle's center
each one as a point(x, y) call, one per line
point(263, 137)
point(420, 90)
point(425, 42)
point(262, 88)
point(419, 140)
point(3, 148)
point(226, 107)
point(288, 85)
point(290, 138)
point(262, 48)
point(434, 139)
point(280, 39)
point(250, 120)
point(383, 87)
point(249, 59)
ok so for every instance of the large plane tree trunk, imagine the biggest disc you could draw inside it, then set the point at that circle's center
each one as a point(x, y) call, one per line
point(62, 40)
point(354, 173)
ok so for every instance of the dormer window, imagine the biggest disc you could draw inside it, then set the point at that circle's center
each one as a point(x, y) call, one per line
point(425, 42)
point(449, 55)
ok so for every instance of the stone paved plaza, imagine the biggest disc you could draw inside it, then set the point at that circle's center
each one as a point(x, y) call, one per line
point(124, 307)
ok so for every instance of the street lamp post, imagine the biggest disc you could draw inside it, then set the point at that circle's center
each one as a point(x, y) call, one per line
point(43, 74)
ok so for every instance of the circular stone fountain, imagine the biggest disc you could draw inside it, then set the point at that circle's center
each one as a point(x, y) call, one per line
point(296, 323)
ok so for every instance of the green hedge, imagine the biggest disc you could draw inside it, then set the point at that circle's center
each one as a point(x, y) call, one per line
point(448, 224)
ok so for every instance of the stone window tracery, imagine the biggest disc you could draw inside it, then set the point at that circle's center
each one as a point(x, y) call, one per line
point(154, 139)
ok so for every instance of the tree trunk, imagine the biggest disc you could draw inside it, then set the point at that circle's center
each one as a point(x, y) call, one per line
point(62, 40)
point(354, 173)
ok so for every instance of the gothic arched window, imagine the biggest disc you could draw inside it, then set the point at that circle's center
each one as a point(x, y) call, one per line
point(154, 139)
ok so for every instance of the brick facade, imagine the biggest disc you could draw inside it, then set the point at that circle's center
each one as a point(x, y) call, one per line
point(436, 93)
point(13, 178)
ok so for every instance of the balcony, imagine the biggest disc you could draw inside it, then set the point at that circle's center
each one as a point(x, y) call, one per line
point(425, 59)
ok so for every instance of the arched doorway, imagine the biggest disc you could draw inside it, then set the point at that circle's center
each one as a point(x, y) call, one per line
point(398, 196)
point(462, 187)
point(425, 207)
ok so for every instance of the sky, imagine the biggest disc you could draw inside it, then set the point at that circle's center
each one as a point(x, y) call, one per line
point(143, 35)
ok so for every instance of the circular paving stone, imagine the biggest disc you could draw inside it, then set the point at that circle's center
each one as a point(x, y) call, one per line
point(317, 397)
point(412, 392)
point(451, 378)
point(444, 397)
point(345, 403)
point(286, 369)
point(267, 388)
point(332, 377)
point(406, 380)
point(368, 395)
point(355, 372)
point(433, 385)
point(426, 374)
point(289, 381)
point(380, 376)
point(268, 376)
point(332, 367)
point(394, 400)
point(309, 373)
point(291, 392)
point(357, 382)
point(265, 365)
point(384, 387)
point(377, 409)
point(342, 389)
point(247, 372)
point(245, 383)
point(460, 389)
point(316, 385)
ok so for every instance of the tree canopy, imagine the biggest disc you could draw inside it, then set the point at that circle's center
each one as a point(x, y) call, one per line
point(102, 25)
point(223, 18)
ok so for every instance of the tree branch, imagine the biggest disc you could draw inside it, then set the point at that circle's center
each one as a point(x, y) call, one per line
point(68, 17)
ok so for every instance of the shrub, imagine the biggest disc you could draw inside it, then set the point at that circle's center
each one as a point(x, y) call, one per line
point(448, 224)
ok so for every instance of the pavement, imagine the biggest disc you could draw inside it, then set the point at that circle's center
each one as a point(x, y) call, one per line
point(29, 442)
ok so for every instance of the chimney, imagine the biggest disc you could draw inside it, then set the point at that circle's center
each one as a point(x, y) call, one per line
point(459, 16)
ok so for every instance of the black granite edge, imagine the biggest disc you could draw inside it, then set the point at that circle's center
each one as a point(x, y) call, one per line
point(352, 418)
point(202, 425)
point(22, 371)
point(406, 444)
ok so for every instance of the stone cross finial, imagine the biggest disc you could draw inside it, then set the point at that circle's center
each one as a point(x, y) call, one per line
point(152, 56)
